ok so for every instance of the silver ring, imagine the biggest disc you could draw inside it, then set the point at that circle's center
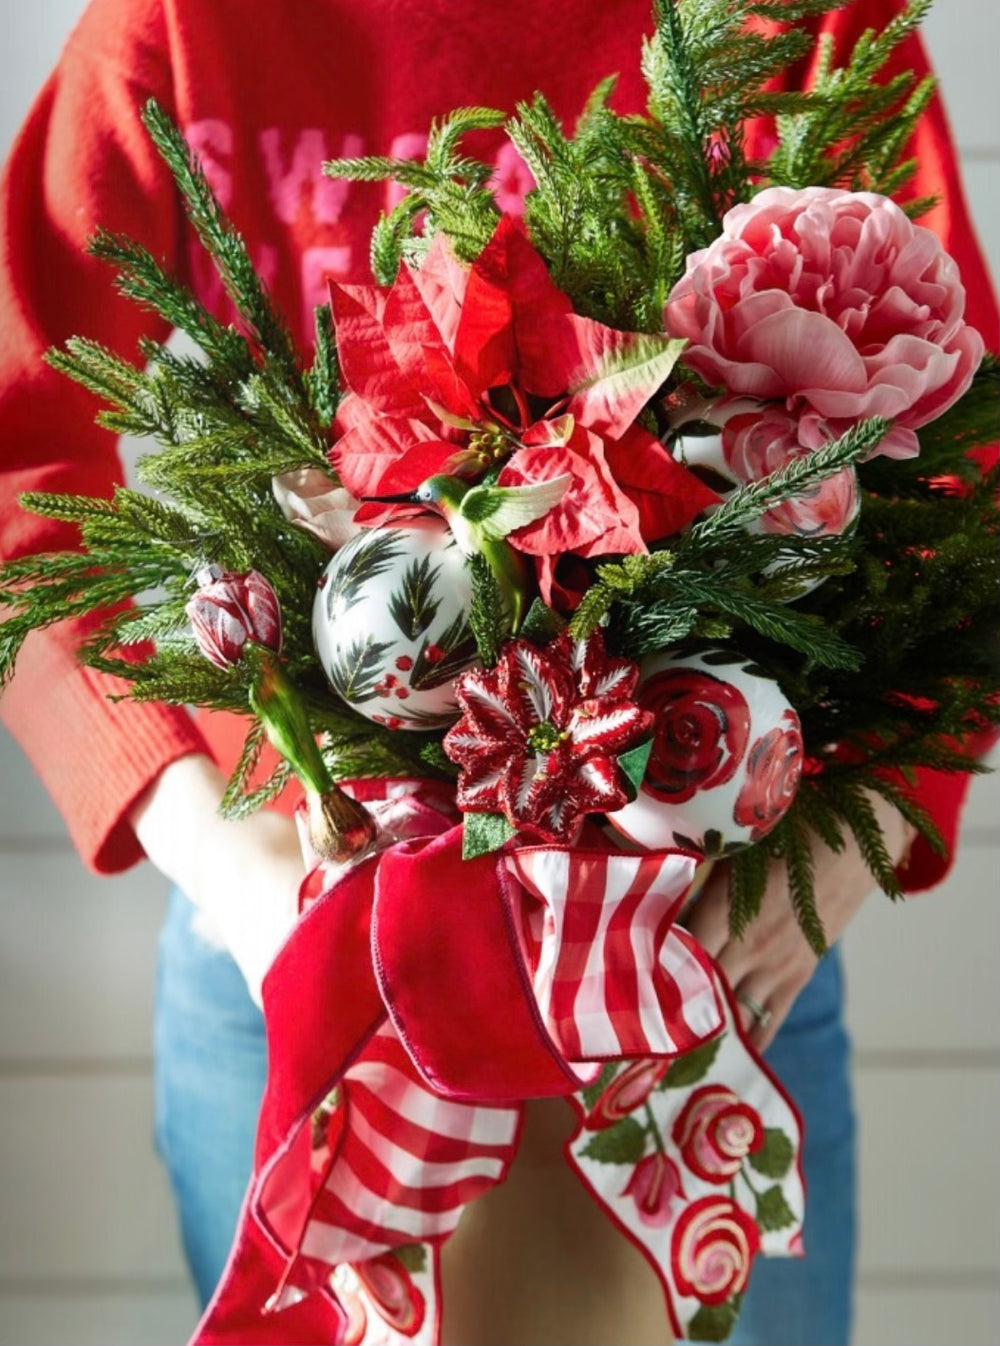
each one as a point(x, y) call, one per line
point(762, 1015)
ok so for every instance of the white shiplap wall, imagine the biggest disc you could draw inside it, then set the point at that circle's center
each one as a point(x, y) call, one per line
point(88, 1252)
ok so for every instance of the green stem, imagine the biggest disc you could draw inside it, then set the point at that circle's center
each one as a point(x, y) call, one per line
point(279, 705)
point(653, 1128)
point(742, 1174)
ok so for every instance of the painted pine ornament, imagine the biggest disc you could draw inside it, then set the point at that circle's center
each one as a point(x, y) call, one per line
point(726, 758)
point(391, 624)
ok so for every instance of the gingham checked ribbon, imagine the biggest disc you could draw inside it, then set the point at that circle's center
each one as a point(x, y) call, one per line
point(419, 1001)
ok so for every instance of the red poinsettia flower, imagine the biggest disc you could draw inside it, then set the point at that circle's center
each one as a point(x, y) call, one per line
point(456, 368)
point(540, 733)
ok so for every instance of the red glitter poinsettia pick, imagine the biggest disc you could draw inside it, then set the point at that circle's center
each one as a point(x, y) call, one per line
point(541, 732)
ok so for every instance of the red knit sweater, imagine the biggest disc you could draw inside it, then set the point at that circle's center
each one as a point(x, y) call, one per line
point(266, 92)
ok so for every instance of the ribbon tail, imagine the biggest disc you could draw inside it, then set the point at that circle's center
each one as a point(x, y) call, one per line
point(699, 1165)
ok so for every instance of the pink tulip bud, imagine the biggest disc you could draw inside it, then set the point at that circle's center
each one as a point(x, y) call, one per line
point(655, 1187)
point(229, 609)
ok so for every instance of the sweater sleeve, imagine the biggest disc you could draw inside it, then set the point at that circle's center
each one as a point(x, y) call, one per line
point(81, 160)
point(941, 793)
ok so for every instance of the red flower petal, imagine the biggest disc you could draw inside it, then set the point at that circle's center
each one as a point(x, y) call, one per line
point(503, 332)
point(374, 446)
point(609, 375)
point(419, 348)
point(367, 364)
point(666, 495)
point(442, 281)
point(535, 686)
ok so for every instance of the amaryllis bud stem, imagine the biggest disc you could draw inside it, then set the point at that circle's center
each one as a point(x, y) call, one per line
point(339, 826)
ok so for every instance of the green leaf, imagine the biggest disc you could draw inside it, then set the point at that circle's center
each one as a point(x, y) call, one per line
point(413, 1256)
point(623, 1143)
point(712, 1322)
point(541, 624)
point(692, 1066)
point(774, 1158)
point(773, 1211)
point(633, 765)
point(484, 832)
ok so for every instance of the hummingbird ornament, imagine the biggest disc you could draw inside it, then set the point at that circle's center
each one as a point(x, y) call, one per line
point(480, 517)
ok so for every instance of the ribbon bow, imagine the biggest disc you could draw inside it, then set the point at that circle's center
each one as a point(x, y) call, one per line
point(419, 1001)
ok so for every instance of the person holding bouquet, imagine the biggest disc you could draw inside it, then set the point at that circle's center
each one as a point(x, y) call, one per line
point(263, 103)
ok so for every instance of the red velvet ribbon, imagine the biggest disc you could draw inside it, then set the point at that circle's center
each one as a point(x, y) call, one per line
point(415, 940)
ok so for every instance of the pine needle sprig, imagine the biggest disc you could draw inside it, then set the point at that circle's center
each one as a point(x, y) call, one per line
point(224, 244)
point(637, 630)
point(853, 131)
point(487, 617)
point(142, 279)
point(748, 503)
point(450, 187)
point(241, 803)
point(322, 380)
point(792, 841)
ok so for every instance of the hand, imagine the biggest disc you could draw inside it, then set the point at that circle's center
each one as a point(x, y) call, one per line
point(244, 876)
point(772, 962)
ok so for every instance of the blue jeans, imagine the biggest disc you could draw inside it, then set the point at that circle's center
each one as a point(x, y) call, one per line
point(211, 1064)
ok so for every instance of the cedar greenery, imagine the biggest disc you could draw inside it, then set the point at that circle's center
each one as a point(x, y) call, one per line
point(890, 658)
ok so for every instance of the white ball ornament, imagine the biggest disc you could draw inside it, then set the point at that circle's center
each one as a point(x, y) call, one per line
point(726, 758)
point(391, 624)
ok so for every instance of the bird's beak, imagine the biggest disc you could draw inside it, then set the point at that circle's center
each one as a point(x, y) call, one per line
point(408, 498)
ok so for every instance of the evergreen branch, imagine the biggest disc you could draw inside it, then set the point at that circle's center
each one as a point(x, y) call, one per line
point(855, 130)
point(616, 582)
point(857, 811)
point(412, 173)
point(748, 871)
point(796, 850)
point(242, 805)
point(446, 135)
point(911, 809)
point(799, 474)
point(273, 408)
point(236, 787)
point(227, 249)
point(102, 373)
point(639, 630)
point(142, 279)
point(322, 381)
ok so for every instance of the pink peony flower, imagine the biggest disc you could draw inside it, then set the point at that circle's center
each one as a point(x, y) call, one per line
point(655, 1186)
point(755, 444)
point(834, 303)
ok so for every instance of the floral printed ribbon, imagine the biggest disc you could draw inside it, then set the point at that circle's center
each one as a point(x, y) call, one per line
point(419, 1001)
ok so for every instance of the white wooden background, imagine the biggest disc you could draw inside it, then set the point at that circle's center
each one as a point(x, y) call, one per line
point(88, 1252)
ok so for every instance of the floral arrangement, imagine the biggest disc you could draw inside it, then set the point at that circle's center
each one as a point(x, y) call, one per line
point(646, 519)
